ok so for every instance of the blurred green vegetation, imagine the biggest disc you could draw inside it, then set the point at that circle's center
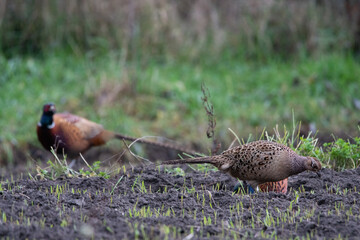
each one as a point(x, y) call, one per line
point(165, 98)
point(192, 30)
point(136, 66)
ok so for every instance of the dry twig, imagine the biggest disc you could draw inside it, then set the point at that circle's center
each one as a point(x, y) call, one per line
point(209, 108)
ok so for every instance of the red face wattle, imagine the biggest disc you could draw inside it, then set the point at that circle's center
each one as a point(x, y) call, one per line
point(49, 107)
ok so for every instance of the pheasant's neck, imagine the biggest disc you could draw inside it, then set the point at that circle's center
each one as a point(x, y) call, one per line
point(298, 164)
point(47, 121)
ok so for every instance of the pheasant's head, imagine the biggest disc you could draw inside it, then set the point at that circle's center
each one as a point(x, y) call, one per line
point(47, 116)
point(313, 164)
point(49, 109)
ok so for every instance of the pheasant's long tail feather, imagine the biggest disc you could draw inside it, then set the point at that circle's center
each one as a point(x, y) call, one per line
point(189, 161)
point(159, 144)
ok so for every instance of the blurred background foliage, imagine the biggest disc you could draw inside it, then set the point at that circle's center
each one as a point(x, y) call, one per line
point(136, 66)
point(259, 29)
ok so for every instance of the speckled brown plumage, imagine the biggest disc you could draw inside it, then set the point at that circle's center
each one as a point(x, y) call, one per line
point(258, 162)
point(72, 134)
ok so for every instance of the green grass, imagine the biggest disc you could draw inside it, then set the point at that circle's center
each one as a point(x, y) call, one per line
point(164, 98)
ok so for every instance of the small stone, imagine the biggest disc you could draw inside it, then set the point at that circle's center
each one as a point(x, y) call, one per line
point(356, 103)
point(87, 230)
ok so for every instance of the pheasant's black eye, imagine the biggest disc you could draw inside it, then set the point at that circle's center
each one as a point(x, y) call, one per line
point(314, 165)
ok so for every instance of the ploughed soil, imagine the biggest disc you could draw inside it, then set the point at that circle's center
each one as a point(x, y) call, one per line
point(144, 202)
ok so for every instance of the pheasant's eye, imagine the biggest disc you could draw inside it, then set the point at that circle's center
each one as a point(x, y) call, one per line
point(314, 165)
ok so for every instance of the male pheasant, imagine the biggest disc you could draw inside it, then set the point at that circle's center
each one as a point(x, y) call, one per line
point(258, 162)
point(71, 134)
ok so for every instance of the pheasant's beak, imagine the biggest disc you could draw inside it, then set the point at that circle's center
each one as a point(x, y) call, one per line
point(315, 165)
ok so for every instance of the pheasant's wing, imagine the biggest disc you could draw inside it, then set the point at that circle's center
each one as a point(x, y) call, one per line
point(71, 118)
point(86, 128)
point(257, 161)
point(251, 154)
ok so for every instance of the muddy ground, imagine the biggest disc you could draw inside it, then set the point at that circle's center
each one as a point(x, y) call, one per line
point(148, 203)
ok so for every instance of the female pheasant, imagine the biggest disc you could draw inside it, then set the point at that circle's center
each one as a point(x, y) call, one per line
point(71, 134)
point(258, 162)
